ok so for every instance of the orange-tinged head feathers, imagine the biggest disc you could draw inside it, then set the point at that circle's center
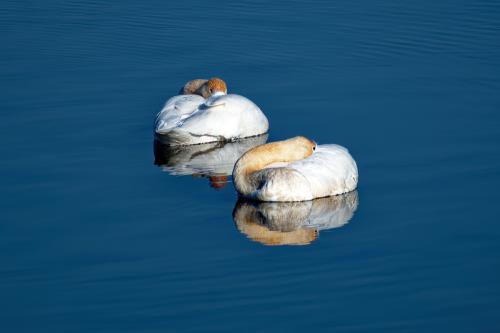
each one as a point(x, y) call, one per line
point(216, 85)
point(305, 143)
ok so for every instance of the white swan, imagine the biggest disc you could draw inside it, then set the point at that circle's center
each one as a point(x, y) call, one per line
point(205, 113)
point(295, 170)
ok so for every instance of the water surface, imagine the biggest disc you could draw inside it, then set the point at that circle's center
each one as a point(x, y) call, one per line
point(95, 237)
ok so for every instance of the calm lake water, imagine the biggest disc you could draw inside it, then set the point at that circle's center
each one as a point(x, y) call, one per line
point(103, 230)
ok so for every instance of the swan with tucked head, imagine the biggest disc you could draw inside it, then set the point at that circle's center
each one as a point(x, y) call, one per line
point(205, 88)
point(296, 169)
point(204, 112)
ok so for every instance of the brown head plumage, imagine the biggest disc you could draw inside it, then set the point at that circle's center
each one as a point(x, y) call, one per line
point(216, 85)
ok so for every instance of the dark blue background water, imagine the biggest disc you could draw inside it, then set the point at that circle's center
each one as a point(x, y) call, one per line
point(95, 238)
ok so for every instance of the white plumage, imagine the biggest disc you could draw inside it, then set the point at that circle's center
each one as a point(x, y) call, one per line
point(295, 170)
point(330, 170)
point(190, 119)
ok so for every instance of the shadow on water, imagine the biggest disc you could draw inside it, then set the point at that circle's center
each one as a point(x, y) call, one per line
point(214, 161)
point(293, 223)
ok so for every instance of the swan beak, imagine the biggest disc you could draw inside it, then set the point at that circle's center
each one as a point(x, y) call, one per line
point(218, 93)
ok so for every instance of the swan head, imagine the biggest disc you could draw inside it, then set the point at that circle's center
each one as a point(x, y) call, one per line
point(214, 87)
point(301, 147)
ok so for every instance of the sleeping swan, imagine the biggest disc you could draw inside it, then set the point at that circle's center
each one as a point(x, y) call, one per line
point(205, 113)
point(294, 170)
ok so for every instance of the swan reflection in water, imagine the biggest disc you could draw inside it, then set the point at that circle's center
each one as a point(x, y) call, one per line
point(214, 161)
point(293, 223)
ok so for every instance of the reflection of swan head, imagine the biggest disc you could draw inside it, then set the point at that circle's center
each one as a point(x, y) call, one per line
point(293, 223)
point(214, 160)
point(218, 182)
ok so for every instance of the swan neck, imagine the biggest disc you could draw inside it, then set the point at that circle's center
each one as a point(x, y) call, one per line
point(262, 156)
point(246, 169)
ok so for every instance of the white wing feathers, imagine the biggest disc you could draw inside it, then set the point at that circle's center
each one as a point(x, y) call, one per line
point(189, 119)
point(177, 109)
point(331, 170)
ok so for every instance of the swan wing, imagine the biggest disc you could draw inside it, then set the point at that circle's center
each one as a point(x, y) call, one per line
point(331, 170)
point(175, 111)
point(222, 118)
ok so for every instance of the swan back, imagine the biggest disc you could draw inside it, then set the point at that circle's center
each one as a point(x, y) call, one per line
point(330, 170)
point(221, 117)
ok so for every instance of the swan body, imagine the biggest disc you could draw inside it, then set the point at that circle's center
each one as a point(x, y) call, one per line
point(295, 170)
point(193, 119)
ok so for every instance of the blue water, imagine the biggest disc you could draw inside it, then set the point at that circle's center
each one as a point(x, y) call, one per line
point(96, 237)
